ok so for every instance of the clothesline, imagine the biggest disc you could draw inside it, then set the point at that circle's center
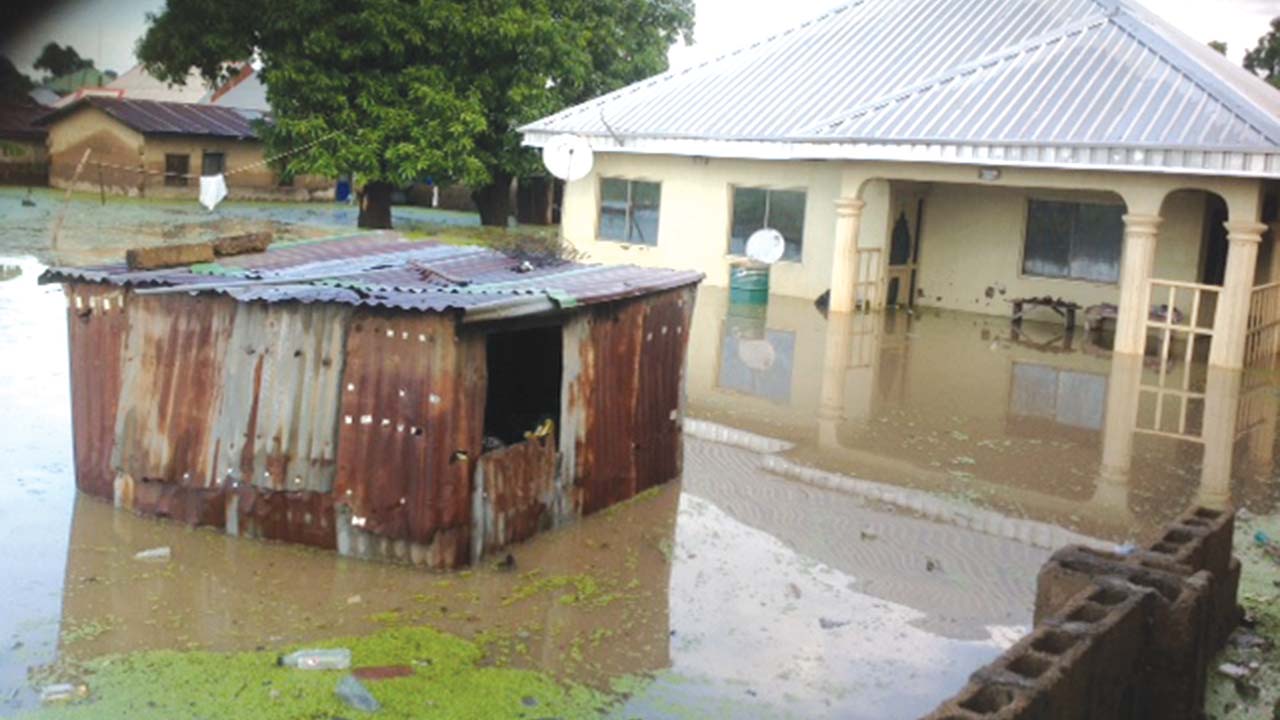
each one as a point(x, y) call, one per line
point(242, 168)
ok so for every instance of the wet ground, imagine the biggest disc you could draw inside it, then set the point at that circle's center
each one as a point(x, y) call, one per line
point(864, 507)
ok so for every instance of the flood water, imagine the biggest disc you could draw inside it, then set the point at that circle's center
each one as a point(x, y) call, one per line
point(864, 507)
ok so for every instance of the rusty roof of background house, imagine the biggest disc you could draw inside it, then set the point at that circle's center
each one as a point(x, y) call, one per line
point(153, 117)
point(382, 269)
point(18, 121)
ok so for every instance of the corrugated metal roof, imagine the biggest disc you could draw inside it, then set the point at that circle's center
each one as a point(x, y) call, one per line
point(18, 121)
point(170, 118)
point(1103, 74)
point(382, 269)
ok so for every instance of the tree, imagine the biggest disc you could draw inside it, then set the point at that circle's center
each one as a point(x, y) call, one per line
point(417, 88)
point(59, 60)
point(13, 84)
point(1218, 46)
point(1264, 60)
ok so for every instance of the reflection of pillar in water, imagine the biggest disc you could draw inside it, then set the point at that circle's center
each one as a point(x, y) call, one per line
point(847, 337)
point(1119, 423)
point(1221, 405)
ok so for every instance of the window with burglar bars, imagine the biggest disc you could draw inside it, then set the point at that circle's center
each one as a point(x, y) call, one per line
point(629, 211)
point(175, 170)
point(756, 208)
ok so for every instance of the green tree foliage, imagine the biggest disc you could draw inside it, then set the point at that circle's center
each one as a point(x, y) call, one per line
point(417, 88)
point(58, 60)
point(1264, 60)
point(13, 84)
point(1218, 46)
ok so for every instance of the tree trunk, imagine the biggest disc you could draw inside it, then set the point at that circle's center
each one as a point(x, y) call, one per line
point(494, 200)
point(375, 205)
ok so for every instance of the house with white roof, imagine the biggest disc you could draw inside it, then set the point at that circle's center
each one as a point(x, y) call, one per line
point(958, 154)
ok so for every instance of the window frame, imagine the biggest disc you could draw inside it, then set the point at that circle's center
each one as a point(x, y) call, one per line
point(1026, 220)
point(175, 178)
point(630, 181)
point(204, 157)
point(768, 190)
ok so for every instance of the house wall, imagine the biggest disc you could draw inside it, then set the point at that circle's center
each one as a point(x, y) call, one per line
point(972, 235)
point(973, 238)
point(113, 145)
point(257, 183)
point(133, 164)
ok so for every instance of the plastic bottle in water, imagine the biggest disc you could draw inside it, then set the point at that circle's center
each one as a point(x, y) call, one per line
point(316, 659)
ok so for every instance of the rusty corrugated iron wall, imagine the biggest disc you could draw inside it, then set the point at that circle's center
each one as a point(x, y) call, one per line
point(361, 428)
point(515, 488)
point(411, 417)
point(172, 387)
point(96, 331)
point(277, 425)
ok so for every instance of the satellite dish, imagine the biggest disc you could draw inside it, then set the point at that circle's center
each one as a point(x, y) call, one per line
point(766, 245)
point(568, 157)
point(757, 355)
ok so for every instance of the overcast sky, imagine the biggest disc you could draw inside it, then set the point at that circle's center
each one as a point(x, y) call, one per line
point(106, 30)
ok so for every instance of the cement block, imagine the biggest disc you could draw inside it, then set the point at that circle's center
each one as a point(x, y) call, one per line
point(154, 258)
point(242, 244)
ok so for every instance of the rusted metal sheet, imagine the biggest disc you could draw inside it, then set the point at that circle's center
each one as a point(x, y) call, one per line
point(659, 401)
point(306, 518)
point(607, 388)
point(277, 425)
point(190, 505)
point(514, 493)
point(171, 388)
point(411, 420)
point(96, 328)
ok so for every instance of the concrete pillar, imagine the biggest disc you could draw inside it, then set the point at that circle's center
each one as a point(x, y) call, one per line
point(1135, 272)
point(1221, 407)
point(1121, 419)
point(1230, 323)
point(844, 267)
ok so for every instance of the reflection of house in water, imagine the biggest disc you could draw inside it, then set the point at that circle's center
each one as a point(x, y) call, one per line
point(1057, 430)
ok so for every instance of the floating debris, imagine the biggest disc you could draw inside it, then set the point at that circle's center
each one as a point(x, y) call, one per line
point(829, 624)
point(63, 692)
point(356, 695)
point(318, 659)
point(156, 554)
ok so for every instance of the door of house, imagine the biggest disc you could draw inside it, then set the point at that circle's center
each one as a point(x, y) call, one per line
point(904, 256)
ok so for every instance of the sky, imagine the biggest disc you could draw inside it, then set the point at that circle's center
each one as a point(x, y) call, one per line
point(106, 30)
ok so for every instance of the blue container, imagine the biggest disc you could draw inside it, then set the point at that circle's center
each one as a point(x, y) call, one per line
point(748, 283)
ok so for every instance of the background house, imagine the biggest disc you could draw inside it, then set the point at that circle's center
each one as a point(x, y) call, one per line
point(23, 158)
point(159, 149)
point(952, 154)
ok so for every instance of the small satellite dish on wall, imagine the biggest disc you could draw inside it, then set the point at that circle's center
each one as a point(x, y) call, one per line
point(567, 157)
point(766, 245)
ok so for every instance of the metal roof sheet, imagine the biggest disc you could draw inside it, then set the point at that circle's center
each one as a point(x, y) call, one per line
point(382, 269)
point(18, 121)
point(1051, 73)
point(170, 118)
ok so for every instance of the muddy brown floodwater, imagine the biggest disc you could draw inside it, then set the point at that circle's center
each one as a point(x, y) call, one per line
point(864, 507)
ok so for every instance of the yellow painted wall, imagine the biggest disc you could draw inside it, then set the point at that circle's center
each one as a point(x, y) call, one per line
point(973, 238)
point(693, 222)
point(125, 153)
point(972, 234)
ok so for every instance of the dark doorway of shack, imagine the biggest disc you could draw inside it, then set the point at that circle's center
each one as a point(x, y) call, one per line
point(523, 394)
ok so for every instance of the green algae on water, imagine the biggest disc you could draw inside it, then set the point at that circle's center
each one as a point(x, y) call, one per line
point(449, 681)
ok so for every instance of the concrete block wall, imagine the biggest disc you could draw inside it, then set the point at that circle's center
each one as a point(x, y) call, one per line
point(1123, 637)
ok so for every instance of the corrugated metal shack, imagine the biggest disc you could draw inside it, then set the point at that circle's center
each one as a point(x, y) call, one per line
point(408, 400)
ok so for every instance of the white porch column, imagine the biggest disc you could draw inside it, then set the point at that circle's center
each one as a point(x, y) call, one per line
point(1135, 272)
point(1221, 407)
point(844, 261)
point(1231, 321)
